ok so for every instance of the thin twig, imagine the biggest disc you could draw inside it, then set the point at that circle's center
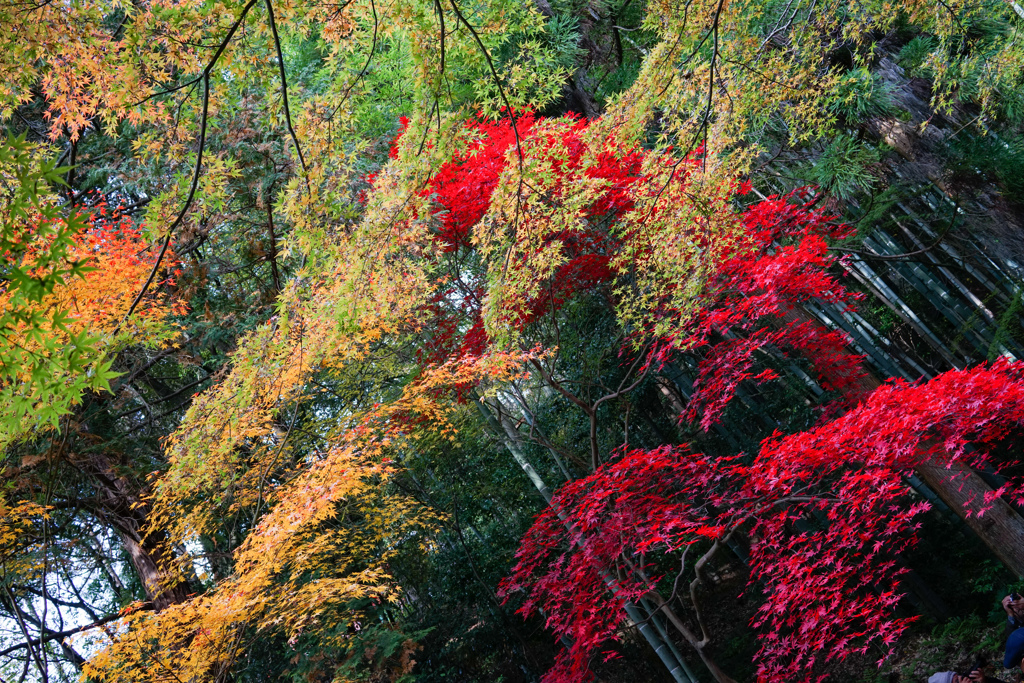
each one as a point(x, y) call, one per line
point(284, 85)
point(205, 76)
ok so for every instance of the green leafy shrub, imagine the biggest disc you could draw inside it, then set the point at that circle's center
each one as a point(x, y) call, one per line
point(842, 169)
point(862, 95)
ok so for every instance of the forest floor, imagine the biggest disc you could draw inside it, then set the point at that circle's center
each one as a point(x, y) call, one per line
point(950, 646)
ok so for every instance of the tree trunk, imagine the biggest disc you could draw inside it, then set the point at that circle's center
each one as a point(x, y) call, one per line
point(1001, 528)
point(963, 490)
point(148, 556)
point(121, 505)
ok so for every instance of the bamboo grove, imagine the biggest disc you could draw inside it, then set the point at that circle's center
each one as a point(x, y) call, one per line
point(556, 340)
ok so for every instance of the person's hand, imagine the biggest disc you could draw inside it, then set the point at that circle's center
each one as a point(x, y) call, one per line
point(975, 676)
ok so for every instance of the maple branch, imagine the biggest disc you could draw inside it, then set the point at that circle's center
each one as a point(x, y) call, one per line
point(897, 257)
point(679, 37)
point(168, 91)
point(440, 18)
point(902, 257)
point(61, 635)
point(156, 659)
point(663, 604)
point(426, 128)
point(781, 26)
point(163, 399)
point(152, 419)
point(272, 256)
point(205, 76)
point(284, 85)
point(620, 390)
point(82, 604)
point(209, 67)
point(954, 16)
point(147, 365)
point(557, 386)
point(497, 82)
point(697, 580)
point(369, 58)
point(689, 635)
point(759, 74)
point(184, 209)
point(537, 435)
point(29, 643)
point(280, 448)
point(675, 583)
point(705, 116)
point(589, 410)
point(57, 601)
point(594, 452)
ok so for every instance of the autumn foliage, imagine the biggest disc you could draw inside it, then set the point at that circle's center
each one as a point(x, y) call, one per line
point(782, 262)
point(331, 334)
point(431, 301)
point(70, 285)
point(828, 510)
point(827, 513)
point(529, 217)
point(336, 518)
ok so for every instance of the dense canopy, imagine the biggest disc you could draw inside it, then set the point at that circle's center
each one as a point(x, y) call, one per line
point(478, 340)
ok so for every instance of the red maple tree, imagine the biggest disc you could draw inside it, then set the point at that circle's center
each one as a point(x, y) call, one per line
point(827, 512)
